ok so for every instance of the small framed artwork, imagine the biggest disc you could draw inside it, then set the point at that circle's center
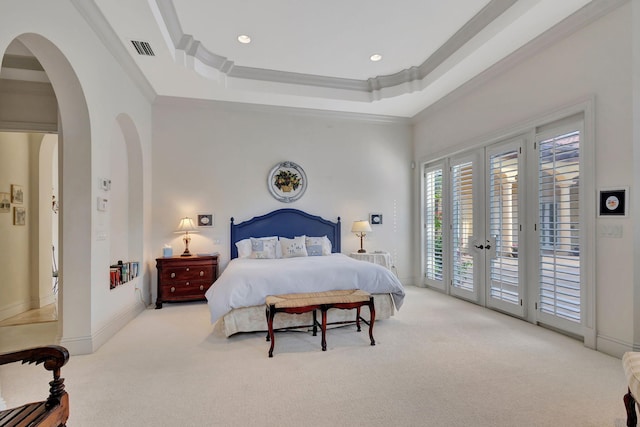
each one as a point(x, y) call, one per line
point(205, 220)
point(5, 204)
point(17, 194)
point(613, 202)
point(375, 219)
point(19, 215)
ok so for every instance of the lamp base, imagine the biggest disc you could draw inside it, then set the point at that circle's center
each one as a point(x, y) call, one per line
point(186, 253)
point(361, 251)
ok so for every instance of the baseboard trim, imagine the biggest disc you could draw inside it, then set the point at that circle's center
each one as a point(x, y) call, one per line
point(612, 346)
point(90, 344)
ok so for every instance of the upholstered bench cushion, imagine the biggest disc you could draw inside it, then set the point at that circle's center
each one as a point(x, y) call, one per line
point(631, 365)
point(317, 298)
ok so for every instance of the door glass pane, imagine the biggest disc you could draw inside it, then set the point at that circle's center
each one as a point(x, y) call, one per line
point(462, 225)
point(558, 195)
point(433, 224)
point(503, 226)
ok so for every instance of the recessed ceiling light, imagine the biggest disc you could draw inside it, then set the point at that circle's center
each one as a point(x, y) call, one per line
point(375, 57)
point(244, 39)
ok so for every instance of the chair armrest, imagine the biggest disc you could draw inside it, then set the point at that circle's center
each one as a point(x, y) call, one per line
point(53, 358)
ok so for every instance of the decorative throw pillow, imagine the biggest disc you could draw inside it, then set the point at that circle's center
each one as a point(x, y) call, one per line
point(244, 247)
point(293, 247)
point(264, 248)
point(318, 246)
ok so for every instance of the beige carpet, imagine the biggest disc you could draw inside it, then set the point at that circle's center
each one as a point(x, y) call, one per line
point(439, 362)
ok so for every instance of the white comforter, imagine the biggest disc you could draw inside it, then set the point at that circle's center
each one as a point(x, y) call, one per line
point(247, 282)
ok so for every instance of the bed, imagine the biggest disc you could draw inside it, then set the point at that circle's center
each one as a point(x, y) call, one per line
point(236, 301)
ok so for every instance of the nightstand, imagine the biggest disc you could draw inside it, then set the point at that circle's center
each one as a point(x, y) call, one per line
point(377, 257)
point(185, 278)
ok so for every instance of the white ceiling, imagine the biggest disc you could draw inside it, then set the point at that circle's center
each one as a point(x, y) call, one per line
point(315, 54)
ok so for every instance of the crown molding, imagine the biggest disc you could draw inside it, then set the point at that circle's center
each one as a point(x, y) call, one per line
point(406, 80)
point(96, 20)
point(576, 21)
point(242, 107)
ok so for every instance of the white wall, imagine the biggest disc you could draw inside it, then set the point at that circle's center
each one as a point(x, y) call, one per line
point(595, 61)
point(215, 158)
point(14, 239)
point(92, 91)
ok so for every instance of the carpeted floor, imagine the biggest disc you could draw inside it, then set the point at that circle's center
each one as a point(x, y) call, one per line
point(439, 362)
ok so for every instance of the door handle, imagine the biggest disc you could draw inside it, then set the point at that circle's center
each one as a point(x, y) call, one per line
point(488, 246)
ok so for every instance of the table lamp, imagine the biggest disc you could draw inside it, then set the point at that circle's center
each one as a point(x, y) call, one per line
point(361, 228)
point(186, 226)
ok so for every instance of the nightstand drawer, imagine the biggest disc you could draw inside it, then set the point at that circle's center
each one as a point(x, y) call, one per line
point(191, 272)
point(185, 289)
point(185, 278)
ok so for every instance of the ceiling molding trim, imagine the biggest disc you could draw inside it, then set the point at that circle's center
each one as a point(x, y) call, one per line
point(29, 127)
point(21, 62)
point(26, 87)
point(96, 20)
point(405, 81)
point(480, 21)
point(180, 102)
point(576, 21)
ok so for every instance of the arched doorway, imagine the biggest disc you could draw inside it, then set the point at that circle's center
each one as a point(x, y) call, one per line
point(74, 154)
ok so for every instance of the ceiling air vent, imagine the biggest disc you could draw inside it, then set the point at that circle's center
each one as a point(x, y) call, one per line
point(143, 48)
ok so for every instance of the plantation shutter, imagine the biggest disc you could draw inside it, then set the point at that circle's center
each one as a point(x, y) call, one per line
point(503, 226)
point(433, 224)
point(559, 225)
point(462, 225)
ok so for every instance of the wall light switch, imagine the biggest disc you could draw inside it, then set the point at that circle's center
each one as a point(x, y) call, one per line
point(102, 204)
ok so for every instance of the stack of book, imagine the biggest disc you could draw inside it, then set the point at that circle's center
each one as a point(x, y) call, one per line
point(122, 272)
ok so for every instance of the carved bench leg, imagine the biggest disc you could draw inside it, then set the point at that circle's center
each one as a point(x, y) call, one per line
point(372, 311)
point(324, 309)
point(630, 405)
point(271, 312)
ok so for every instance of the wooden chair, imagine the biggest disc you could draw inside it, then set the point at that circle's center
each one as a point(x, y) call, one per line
point(52, 412)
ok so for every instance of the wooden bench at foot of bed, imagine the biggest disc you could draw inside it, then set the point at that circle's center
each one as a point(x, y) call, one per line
point(323, 301)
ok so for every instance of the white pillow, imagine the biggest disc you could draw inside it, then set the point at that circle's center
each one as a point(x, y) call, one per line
point(244, 247)
point(264, 248)
point(318, 246)
point(293, 247)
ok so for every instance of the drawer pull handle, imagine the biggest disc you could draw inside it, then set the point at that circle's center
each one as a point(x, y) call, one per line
point(188, 283)
point(202, 287)
point(201, 273)
point(187, 268)
point(173, 275)
point(173, 289)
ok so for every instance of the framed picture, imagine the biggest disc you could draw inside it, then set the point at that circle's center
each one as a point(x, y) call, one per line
point(613, 202)
point(375, 219)
point(287, 182)
point(205, 220)
point(5, 204)
point(17, 194)
point(19, 216)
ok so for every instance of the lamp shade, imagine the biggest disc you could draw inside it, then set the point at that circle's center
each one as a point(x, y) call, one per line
point(360, 227)
point(186, 226)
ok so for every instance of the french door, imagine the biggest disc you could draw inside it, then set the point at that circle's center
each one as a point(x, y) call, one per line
point(485, 227)
point(502, 225)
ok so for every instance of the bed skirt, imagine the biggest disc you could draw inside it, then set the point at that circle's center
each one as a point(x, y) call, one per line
point(253, 319)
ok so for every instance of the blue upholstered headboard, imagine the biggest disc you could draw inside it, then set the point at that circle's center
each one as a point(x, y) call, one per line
point(285, 223)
